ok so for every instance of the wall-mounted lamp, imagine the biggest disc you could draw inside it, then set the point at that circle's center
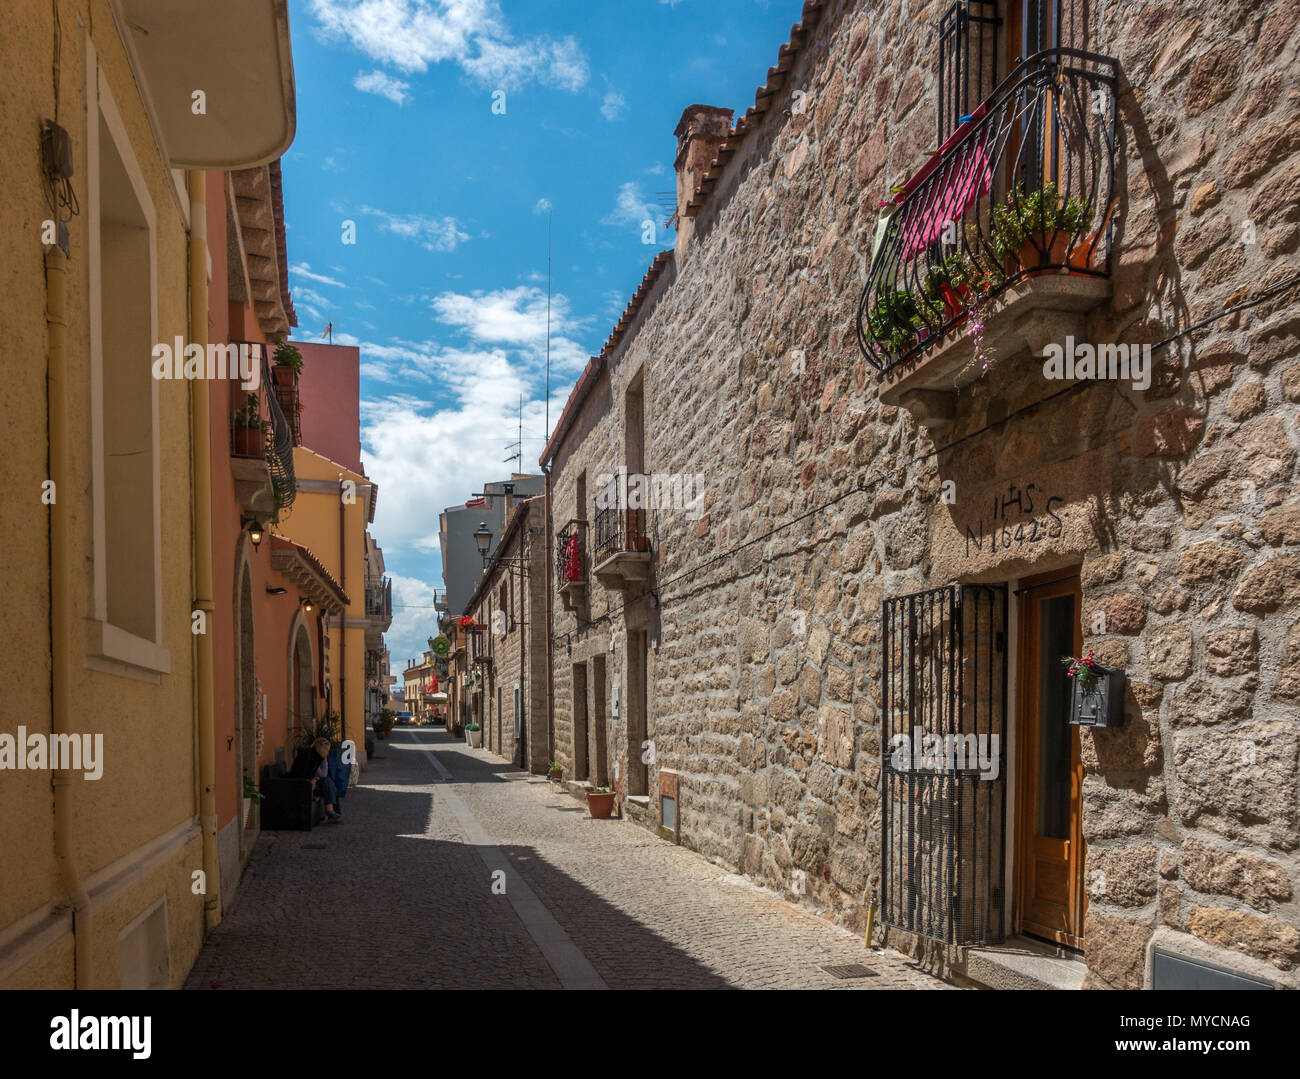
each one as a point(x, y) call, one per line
point(276, 591)
point(254, 528)
point(483, 541)
point(306, 605)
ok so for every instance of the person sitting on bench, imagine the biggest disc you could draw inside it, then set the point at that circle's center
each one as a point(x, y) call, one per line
point(312, 763)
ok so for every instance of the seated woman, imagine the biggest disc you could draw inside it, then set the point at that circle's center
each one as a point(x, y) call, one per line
point(312, 762)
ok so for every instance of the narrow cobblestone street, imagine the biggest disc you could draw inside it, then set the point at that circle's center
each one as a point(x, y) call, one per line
point(587, 903)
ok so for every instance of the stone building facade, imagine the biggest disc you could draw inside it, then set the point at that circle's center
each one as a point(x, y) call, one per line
point(504, 660)
point(898, 523)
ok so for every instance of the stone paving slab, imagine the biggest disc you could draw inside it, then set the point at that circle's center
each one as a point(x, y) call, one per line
point(409, 874)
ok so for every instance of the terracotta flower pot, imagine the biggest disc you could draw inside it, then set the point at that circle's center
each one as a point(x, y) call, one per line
point(1040, 249)
point(556, 774)
point(283, 375)
point(249, 442)
point(600, 805)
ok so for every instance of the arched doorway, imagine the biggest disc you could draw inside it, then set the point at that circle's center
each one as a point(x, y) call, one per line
point(302, 685)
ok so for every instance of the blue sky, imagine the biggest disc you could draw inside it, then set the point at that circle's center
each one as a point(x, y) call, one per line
point(445, 286)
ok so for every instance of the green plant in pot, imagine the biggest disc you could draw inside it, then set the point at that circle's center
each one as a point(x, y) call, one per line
point(250, 429)
point(1038, 228)
point(555, 770)
point(894, 320)
point(287, 361)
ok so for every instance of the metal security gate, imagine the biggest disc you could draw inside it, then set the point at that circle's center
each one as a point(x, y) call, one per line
point(943, 745)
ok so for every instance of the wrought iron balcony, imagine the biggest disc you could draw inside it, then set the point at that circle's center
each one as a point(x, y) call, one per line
point(571, 562)
point(1012, 212)
point(261, 448)
point(621, 545)
point(440, 599)
point(379, 600)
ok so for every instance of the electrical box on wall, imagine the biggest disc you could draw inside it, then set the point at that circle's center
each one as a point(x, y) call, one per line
point(1098, 701)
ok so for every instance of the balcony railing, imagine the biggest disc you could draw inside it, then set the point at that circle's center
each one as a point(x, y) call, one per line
point(618, 530)
point(379, 598)
point(440, 599)
point(259, 431)
point(571, 555)
point(1023, 186)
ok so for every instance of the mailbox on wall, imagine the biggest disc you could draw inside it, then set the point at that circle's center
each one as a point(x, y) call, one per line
point(1098, 701)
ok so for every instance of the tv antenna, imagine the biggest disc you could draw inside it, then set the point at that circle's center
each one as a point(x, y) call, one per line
point(518, 444)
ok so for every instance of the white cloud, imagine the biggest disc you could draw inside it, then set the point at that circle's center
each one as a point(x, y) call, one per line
point(412, 34)
point(432, 233)
point(376, 82)
point(515, 316)
point(612, 106)
point(543, 206)
point(303, 269)
point(631, 208)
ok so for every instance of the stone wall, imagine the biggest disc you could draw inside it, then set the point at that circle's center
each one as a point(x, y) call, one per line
point(1178, 504)
point(518, 567)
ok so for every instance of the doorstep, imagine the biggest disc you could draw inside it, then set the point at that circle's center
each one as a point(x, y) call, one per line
point(1022, 963)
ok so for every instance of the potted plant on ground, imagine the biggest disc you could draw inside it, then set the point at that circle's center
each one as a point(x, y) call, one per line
point(555, 771)
point(475, 734)
point(251, 795)
point(288, 363)
point(250, 429)
point(600, 803)
point(457, 730)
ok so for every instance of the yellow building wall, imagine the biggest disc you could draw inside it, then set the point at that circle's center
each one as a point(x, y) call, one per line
point(313, 521)
point(148, 784)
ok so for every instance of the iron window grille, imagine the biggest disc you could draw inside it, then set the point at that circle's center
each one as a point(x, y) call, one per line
point(944, 676)
point(968, 59)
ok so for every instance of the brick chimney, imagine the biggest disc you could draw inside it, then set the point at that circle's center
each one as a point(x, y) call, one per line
point(701, 130)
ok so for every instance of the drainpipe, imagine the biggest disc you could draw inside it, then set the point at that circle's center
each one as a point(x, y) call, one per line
point(550, 623)
point(343, 619)
point(201, 482)
point(63, 572)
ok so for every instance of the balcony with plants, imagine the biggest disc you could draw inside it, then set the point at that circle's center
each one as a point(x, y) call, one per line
point(571, 571)
point(620, 542)
point(1000, 243)
point(286, 369)
point(261, 453)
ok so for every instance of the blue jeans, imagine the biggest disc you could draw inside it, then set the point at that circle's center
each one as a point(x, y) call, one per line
point(328, 792)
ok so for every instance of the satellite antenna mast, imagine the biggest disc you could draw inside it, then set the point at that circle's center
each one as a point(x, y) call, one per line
point(547, 432)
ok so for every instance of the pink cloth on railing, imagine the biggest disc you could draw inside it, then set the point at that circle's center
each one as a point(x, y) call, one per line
point(968, 176)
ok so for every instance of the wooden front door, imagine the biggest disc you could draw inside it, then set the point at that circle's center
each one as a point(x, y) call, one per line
point(1049, 853)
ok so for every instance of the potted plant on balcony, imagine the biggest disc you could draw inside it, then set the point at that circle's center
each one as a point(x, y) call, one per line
point(1039, 229)
point(250, 429)
point(895, 320)
point(474, 733)
point(288, 363)
point(600, 803)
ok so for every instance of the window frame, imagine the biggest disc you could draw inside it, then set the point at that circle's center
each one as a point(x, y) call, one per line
point(110, 647)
